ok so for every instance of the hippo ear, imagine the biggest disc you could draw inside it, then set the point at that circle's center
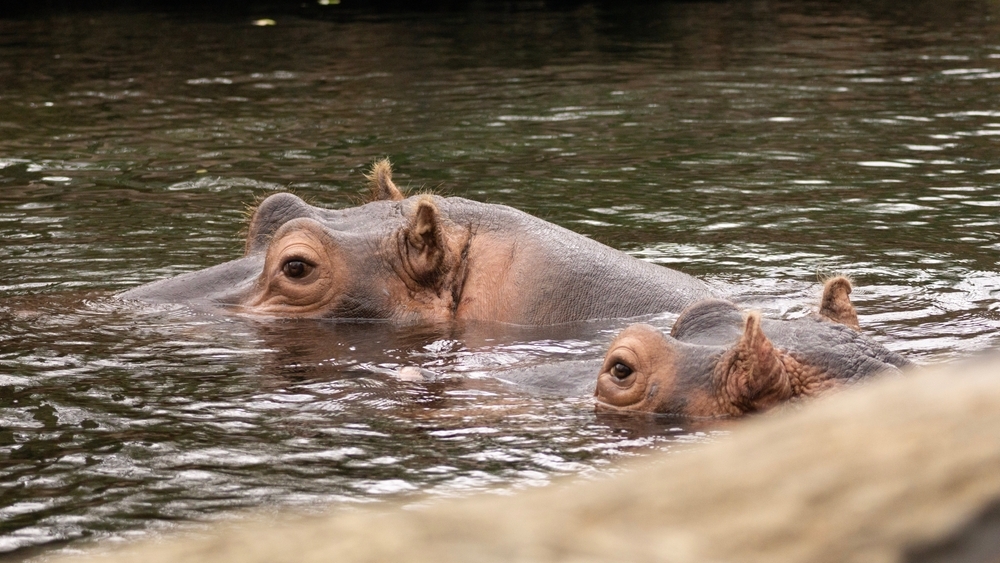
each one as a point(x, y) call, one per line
point(756, 378)
point(836, 305)
point(380, 182)
point(425, 243)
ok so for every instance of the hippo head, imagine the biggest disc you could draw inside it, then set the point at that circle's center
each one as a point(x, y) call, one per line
point(392, 258)
point(404, 262)
point(724, 370)
point(720, 361)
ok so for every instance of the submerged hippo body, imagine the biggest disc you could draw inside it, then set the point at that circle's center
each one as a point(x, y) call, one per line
point(424, 259)
point(719, 361)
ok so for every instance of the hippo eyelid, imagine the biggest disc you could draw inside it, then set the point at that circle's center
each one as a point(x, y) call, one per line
point(297, 258)
point(624, 354)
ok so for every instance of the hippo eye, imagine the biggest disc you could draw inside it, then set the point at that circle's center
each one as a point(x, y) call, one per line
point(621, 371)
point(296, 268)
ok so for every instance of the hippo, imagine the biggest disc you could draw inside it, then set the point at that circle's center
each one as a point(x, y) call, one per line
point(720, 362)
point(424, 259)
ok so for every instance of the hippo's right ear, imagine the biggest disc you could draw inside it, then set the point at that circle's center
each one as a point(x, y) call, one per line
point(380, 182)
point(836, 305)
point(755, 377)
point(425, 244)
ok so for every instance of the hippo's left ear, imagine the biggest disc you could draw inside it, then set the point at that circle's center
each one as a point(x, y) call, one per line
point(426, 245)
point(380, 182)
point(836, 305)
point(756, 379)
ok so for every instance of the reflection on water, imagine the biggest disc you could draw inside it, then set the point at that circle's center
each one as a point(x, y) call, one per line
point(757, 145)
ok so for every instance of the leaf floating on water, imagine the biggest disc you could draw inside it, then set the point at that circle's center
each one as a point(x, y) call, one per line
point(264, 22)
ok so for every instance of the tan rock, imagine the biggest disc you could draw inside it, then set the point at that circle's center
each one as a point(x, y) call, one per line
point(900, 469)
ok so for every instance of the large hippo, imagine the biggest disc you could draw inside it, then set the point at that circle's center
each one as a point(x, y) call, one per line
point(719, 361)
point(424, 259)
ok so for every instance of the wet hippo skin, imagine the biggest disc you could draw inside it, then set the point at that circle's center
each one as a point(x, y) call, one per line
point(720, 361)
point(424, 259)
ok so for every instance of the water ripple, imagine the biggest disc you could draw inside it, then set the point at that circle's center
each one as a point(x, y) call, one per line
point(802, 142)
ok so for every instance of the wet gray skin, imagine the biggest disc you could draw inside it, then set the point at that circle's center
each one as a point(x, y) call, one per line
point(718, 361)
point(487, 262)
point(714, 326)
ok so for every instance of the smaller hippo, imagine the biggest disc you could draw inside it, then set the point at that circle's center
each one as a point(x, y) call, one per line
point(719, 361)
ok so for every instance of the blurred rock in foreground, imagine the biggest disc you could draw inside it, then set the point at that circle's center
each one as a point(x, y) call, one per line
point(902, 469)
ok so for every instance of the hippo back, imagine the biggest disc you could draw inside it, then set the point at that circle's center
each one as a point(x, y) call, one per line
point(838, 350)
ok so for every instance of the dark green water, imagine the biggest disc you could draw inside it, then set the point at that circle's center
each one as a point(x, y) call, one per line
point(758, 145)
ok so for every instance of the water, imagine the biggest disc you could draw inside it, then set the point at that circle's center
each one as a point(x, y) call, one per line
point(758, 145)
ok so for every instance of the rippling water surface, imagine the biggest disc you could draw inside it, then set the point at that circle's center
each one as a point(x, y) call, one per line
point(758, 145)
